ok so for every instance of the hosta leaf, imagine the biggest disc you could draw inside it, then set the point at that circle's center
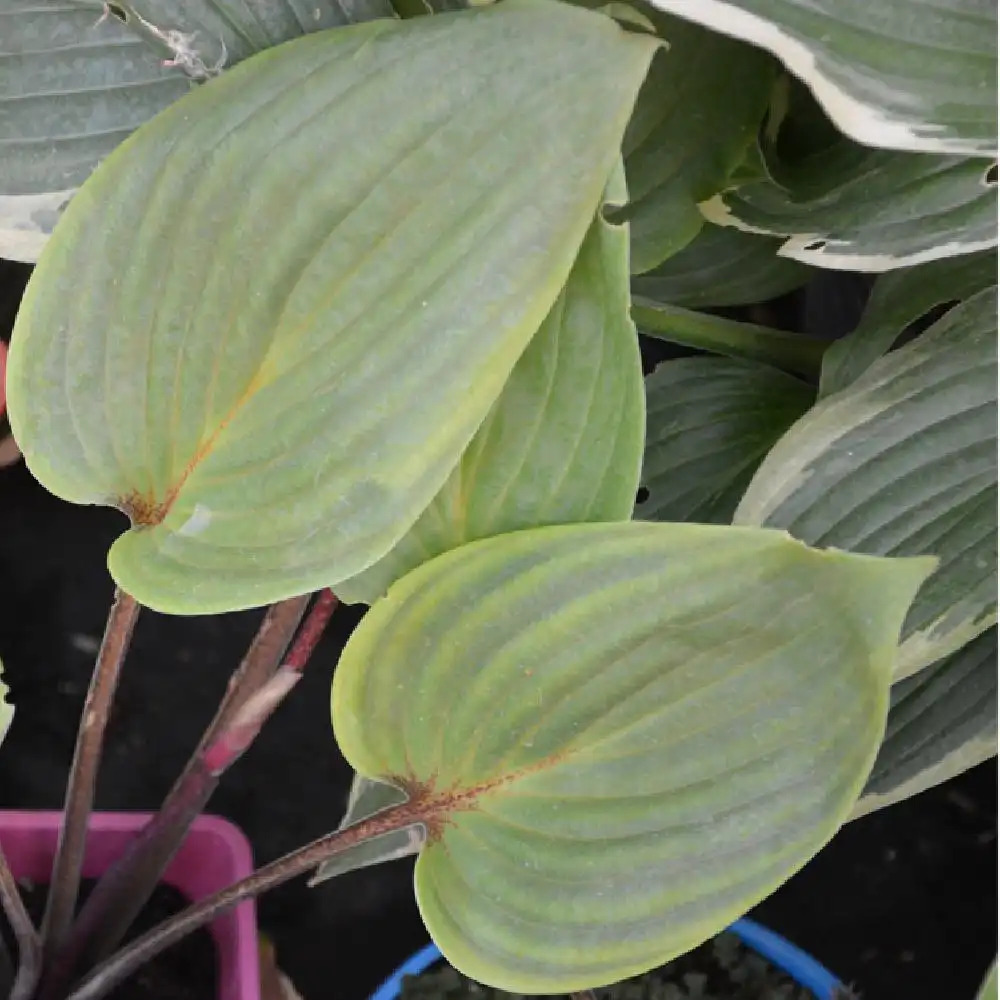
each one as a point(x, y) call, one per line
point(6, 709)
point(722, 267)
point(70, 91)
point(274, 379)
point(709, 422)
point(900, 74)
point(563, 443)
point(618, 736)
point(870, 210)
point(898, 299)
point(74, 84)
point(942, 721)
point(903, 462)
point(735, 339)
point(690, 130)
point(203, 36)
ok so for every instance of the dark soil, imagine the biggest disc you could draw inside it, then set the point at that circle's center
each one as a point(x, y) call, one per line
point(721, 969)
point(900, 903)
point(185, 972)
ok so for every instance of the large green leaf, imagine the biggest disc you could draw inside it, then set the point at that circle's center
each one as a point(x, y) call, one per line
point(897, 300)
point(869, 210)
point(74, 84)
point(722, 267)
point(691, 128)
point(899, 74)
point(942, 721)
point(274, 378)
point(619, 737)
point(903, 462)
point(563, 443)
point(709, 422)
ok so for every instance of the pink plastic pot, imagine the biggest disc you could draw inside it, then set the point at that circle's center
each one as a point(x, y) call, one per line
point(215, 854)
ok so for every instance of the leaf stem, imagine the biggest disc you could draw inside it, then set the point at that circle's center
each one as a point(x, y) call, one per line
point(792, 352)
point(65, 882)
point(312, 628)
point(29, 944)
point(126, 886)
point(120, 966)
point(246, 723)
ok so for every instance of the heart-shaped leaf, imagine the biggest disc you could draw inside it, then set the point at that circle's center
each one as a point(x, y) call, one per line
point(722, 267)
point(898, 299)
point(619, 737)
point(895, 73)
point(563, 443)
point(690, 131)
point(942, 721)
point(709, 422)
point(870, 210)
point(263, 329)
point(904, 462)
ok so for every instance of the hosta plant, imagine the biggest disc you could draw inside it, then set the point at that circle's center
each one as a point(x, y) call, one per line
point(352, 308)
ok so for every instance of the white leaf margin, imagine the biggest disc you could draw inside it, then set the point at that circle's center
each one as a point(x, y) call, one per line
point(971, 753)
point(866, 123)
point(22, 237)
point(832, 255)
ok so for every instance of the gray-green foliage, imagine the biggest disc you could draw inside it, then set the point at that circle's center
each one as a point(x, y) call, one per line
point(710, 421)
point(942, 721)
point(76, 80)
point(904, 460)
point(358, 312)
point(914, 75)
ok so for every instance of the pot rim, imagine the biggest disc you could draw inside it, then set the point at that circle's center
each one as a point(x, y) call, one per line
point(214, 854)
point(780, 952)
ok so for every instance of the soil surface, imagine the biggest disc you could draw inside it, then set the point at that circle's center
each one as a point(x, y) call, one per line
point(901, 903)
point(720, 969)
point(185, 972)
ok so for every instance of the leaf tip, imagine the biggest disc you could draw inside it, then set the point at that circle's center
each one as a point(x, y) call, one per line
point(876, 592)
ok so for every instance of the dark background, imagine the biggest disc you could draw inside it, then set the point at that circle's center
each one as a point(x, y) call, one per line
point(902, 903)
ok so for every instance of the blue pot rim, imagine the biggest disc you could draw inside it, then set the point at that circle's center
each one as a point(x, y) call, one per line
point(796, 963)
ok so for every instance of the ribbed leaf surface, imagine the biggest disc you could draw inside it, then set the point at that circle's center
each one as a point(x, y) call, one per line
point(619, 736)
